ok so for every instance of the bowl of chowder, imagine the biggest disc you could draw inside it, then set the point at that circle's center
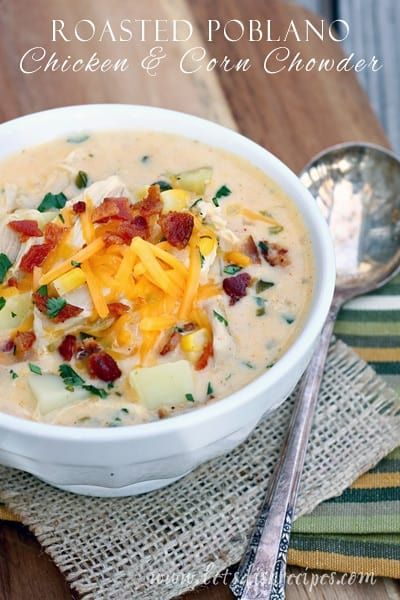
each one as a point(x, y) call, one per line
point(163, 281)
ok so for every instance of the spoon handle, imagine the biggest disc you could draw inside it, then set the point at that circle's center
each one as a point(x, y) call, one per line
point(262, 571)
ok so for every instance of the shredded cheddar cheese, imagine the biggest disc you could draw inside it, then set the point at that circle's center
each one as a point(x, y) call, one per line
point(84, 254)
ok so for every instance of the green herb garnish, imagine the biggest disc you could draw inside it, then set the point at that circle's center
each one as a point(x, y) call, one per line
point(5, 264)
point(289, 319)
point(85, 336)
point(13, 374)
point(220, 318)
point(164, 185)
point(261, 286)
point(275, 229)
point(270, 365)
point(125, 411)
point(43, 291)
point(35, 369)
point(222, 192)
point(202, 259)
point(3, 302)
point(145, 158)
point(71, 379)
point(78, 139)
point(196, 202)
point(81, 180)
point(100, 392)
point(55, 306)
point(13, 314)
point(248, 364)
point(75, 263)
point(189, 397)
point(210, 389)
point(263, 247)
point(51, 201)
point(61, 218)
point(261, 306)
point(69, 376)
point(232, 269)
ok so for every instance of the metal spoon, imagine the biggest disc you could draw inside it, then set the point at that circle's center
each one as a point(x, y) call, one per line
point(357, 187)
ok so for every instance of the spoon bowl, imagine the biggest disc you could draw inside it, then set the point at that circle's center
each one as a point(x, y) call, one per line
point(357, 188)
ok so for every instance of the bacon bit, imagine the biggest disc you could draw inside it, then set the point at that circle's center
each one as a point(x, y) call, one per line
point(235, 287)
point(40, 302)
point(7, 346)
point(68, 347)
point(250, 249)
point(177, 227)
point(112, 208)
point(25, 229)
point(67, 312)
point(151, 205)
point(53, 233)
point(162, 413)
point(35, 256)
point(204, 357)
point(79, 207)
point(12, 282)
point(23, 342)
point(171, 343)
point(117, 308)
point(102, 366)
point(274, 254)
point(87, 348)
point(123, 204)
point(125, 232)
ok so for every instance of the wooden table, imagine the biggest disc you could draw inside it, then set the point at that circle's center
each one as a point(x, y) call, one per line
point(294, 115)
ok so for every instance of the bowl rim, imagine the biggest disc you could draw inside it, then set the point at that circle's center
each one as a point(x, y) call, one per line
point(312, 325)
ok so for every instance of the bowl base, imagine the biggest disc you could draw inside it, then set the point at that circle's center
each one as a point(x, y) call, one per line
point(133, 489)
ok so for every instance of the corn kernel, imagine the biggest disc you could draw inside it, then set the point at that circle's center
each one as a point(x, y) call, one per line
point(207, 244)
point(237, 258)
point(194, 343)
point(69, 281)
point(176, 199)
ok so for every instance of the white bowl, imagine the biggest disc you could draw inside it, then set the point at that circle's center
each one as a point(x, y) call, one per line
point(135, 459)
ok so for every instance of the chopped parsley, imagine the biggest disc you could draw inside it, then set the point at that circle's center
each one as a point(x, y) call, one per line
point(55, 306)
point(13, 314)
point(13, 374)
point(263, 247)
point(164, 185)
point(210, 389)
point(202, 259)
point(248, 364)
point(85, 336)
point(196, 202)
point(261, 306)
point(51, 201)
point(75, 263)
point(145, 158)
point(71, 379)
point(261, 286)
point(232, 269)
point(189, 397)
point(61, 218)
point(275, 229)
point(43, 291)
point(125, 411)
point(78, 139)
point(35, 369)
point(270, 365)
point(81, 180)
point(222, 192)
point(3, 302)
point(220, 318)
point(289, 319)
point(5, 264)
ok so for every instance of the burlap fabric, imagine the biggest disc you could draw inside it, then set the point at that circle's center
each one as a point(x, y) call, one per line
point(156, 546)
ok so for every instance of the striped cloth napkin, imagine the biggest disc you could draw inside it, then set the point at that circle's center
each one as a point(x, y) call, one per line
point(360, 530)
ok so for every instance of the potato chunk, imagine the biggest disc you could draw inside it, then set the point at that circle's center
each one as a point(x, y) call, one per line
point(169, 384)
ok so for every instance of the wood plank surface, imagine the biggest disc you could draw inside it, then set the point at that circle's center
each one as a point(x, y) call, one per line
point(294, 115)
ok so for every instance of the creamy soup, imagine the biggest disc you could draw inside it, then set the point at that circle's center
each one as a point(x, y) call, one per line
point(142, 275)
